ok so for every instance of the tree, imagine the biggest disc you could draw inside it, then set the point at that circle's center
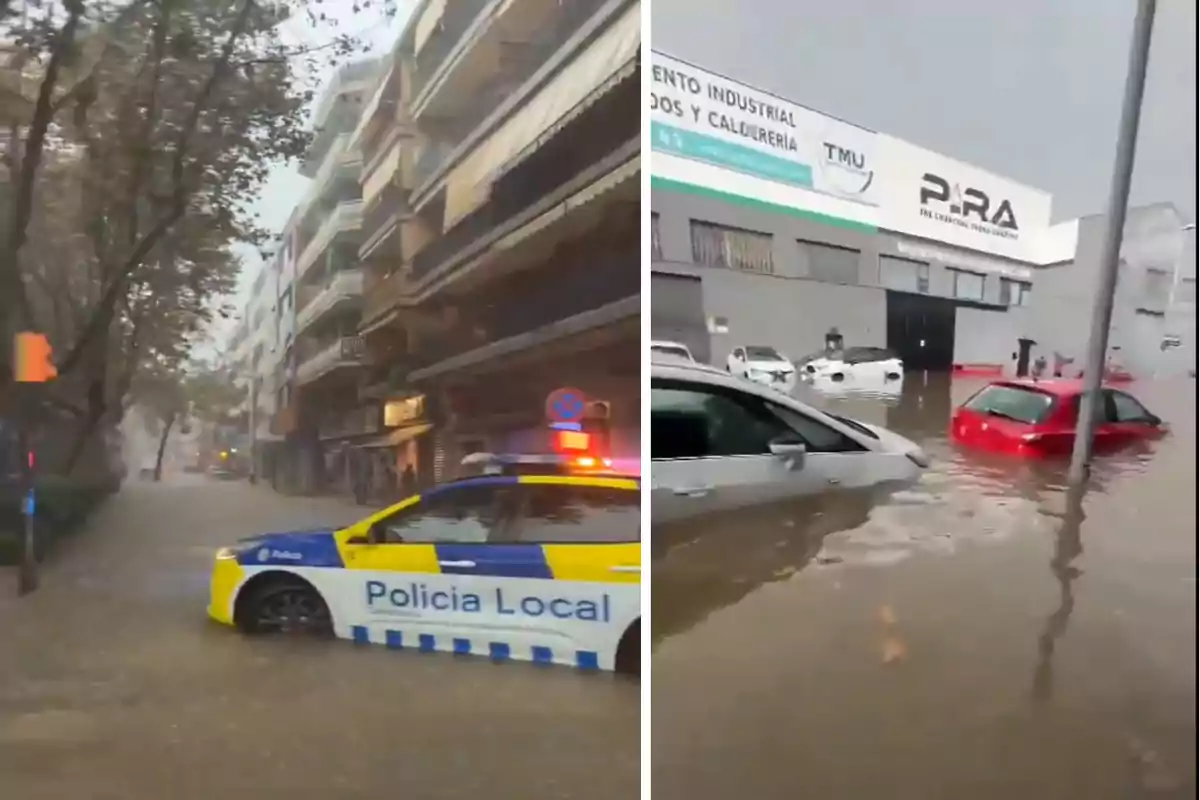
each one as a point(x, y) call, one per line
point(134, 170)
point(162, 390)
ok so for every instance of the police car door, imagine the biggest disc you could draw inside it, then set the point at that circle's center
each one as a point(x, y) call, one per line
point(579, 592)
point(426, 581)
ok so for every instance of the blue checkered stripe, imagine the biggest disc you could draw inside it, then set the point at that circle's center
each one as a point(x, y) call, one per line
point(461, 646)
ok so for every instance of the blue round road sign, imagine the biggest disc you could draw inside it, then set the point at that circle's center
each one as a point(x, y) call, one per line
point(565, 405)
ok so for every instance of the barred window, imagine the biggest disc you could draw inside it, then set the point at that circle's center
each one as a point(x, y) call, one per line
point(1014, 293)
point(720, 246)
point(830, 263)
point(903, 274)
point(655, 239)
point(967, 285)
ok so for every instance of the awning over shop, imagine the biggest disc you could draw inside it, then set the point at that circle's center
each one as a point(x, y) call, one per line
point(397, 437)
point(612, 55)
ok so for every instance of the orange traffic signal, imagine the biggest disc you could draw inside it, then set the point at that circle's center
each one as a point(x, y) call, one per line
point(32, 358)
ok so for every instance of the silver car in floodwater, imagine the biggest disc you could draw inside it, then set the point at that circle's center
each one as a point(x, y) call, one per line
point(719, 442)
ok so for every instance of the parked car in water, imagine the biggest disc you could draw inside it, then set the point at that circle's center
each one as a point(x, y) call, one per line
point(867, 365)
point(762, 365)
point(1037, 418)
point(719, 443)
point(671, 348)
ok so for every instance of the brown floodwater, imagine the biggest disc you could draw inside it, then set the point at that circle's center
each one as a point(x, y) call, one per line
point(963, 638)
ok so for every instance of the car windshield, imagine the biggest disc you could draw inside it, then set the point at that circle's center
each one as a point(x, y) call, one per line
point(756, 353)
point(1012, 402)
point(671, 349)
point(865, 355)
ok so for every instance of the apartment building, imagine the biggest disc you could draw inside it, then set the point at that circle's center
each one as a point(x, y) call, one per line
point(319, 413)
point(500, 232)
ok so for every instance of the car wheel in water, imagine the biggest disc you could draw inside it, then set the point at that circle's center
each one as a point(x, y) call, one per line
point(628, 660)
point(285, 605)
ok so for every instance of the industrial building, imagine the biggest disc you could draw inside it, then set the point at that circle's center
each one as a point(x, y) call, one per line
point(888, 243)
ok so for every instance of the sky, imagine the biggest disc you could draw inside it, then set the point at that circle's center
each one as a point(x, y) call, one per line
point(1028, 89)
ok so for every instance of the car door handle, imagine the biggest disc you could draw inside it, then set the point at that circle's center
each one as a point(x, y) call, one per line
point(834, 481)
point(691, 491)
point(457, 563)
point(625, 568)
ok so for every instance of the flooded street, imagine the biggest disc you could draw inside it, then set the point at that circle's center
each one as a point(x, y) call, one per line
point(948, 641)
point(114, 686)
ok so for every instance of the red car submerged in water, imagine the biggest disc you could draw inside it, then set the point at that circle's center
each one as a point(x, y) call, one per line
point(1037, 418)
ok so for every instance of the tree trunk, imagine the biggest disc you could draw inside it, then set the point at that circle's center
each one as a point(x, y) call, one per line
point(162, 447)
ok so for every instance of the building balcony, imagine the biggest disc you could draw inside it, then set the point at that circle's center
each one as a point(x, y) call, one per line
point(345, 352)
point(381, 226)
point(507, 45)
point(341, 289)
point(342, 162)
point(346, 218)
point(394, 290)
point(601, 138)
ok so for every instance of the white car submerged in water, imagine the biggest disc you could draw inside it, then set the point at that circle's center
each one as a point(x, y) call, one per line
point(718, 443)
point(763, 365)
point(867, 366)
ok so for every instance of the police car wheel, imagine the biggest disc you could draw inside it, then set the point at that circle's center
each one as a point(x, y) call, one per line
point(288, 606)
point(629, 651)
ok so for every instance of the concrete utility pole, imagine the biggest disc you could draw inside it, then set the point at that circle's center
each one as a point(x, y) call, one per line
point(1110, 254)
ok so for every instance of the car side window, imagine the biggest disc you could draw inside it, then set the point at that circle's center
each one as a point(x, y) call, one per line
point(817, 436)
point(465, 514)
point(550, 513)
point(1124, 408)
point(1102, 413)
point(695, 421)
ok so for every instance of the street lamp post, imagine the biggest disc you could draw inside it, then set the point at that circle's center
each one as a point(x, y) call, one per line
point(1118, 200)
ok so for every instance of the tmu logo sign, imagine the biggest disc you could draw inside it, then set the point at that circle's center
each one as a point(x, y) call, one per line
point(968, 208)
point(846, 170)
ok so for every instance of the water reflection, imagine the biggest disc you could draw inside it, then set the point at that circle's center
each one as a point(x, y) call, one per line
point(767, 640)
point(1068, 547)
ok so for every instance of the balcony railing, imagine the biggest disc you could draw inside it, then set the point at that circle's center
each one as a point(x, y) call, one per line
point(341, 287)
point(456, 20)
point(340, 157)
point(381, 224)
point(346, 351)
point(607, 127)
point(345, 217)
point(386, 294)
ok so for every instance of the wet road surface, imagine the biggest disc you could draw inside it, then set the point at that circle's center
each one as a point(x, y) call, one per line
point(949, 641)
point(113, 684)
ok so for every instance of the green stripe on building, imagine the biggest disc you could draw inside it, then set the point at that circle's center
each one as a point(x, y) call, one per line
point(669, 185)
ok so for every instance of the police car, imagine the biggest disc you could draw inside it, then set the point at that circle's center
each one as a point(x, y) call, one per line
point(532, 558)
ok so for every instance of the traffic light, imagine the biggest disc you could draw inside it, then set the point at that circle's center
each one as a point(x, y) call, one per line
point(32, 358)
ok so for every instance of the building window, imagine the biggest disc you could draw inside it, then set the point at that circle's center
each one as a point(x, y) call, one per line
point(1186, 293)
point(830, 264)
point(655, 240)
point(1014, 293)
point(719, 246)
point(1156, 289)
point(967, 285)
point(903, 275)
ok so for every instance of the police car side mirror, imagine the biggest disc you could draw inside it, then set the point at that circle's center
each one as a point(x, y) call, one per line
point(789, 451)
